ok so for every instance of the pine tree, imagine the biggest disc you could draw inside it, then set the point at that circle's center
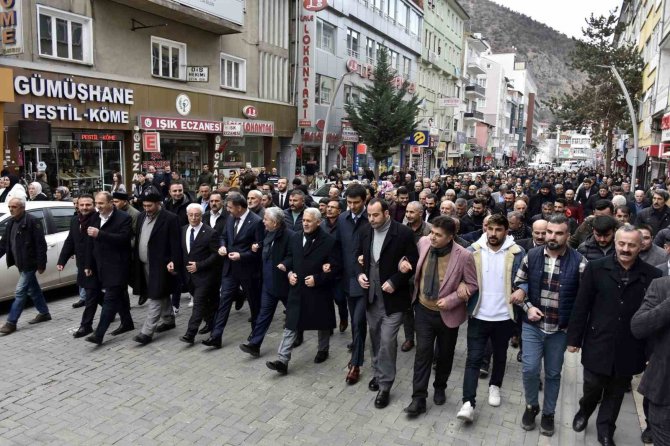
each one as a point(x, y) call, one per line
point(599, 104)
point(382, 117)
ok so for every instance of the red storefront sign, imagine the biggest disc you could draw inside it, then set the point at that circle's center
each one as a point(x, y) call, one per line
point(151, 142)
point(179, 124)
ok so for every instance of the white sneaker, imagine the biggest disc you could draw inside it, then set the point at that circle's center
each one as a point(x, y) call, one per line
point(494, 396)
point(190, 304)
point(467, 413)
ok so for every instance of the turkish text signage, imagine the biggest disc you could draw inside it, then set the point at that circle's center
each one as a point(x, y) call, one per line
point(11, 33)
point(250, 127)
point(306, 70)
point(179, 124)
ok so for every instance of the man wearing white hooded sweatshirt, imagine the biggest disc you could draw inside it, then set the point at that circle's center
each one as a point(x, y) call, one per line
point(491, 316)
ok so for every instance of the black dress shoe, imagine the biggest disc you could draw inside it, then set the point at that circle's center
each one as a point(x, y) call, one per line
point(321, 356)
point(239, 302)
point(82, 332)
point(188, 339)
point(142, 339)
point(350, 347)
point(122, 330)
point(439, 397)
point(298, 341)
point(206, 329)
point(416, 407)
point(579, 422)
point(606, 441)
point(142, 300)
point(646, 436)
point(519, 357)
point(212, 342)
point(382, 399)
point(165, 327)
point(94, 340)
point(373, 385)
point(278, 367)
point(79, 304)
point(253, 350)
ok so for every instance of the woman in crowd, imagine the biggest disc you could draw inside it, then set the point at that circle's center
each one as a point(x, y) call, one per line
point(11, 189)
point(62, 194)
point(117, 183)
point(35, 192)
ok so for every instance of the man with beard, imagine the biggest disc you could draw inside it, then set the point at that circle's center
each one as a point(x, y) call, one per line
point(293, 215)
point(538, 234)
point(281, 196)
point(431, 210)
point(559, 208)
point(585, 230)
point(461, 208)
point(575, 208)
point(649, 252)
point(475, 218)
point(602, 194)
point(120, 200)
point(254, 197)
point(383, 247)
point(414, 194)
point(658, 215)
point(448, 208)
point(601, 243)
point(507, 205)
point(329, 225)
point(204, 192)
point(398, 208)
point(178, 202)
point(543, 196)
point(547, 283)
point(622, 214)
point(602, 330)
point(517, 227)
point(547, 211)
point(491, 319)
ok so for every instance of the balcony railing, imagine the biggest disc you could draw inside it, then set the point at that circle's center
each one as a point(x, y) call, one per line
point(474, 114)
point(475, 89)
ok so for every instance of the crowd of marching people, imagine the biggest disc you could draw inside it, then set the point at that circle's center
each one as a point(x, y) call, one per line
point(542, 261)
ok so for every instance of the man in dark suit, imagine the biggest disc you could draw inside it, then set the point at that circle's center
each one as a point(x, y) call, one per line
point(280, 197)
point(202, 264)
point(383, 247)
point(539, 232)
point(25, 246)
point(243, 265)
point(109, 253)
point(432, 208)
point(157, 263)
point(585, 192)
point(293, 215)
point(76, 245)
point(216, 218)
point(610, 292)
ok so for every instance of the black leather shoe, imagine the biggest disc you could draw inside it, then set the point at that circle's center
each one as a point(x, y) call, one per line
point(373, 385)
point(122, 330)
point(321, 356)
point(165, 327)
point(646, 436)
point(142, 339)
point(94, 340)
point(606, 441)
point(79, 304)
point(253, 350)
point(278, 367)
point(239, 302)
point(439, 397)
point(519, 357)
point(82, 332)
point(188, 339)
point(298, 341)
point(142, 300)
point(382, 399)
point(212, 342)
point(350, 347)
point(416, 407)
point(579, 422)
point(206, 329)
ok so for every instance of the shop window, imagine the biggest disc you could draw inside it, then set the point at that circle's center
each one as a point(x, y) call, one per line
point(63, 35)
point(325, 36)
point(324, 89)
point(233, 72)
point(168, 58)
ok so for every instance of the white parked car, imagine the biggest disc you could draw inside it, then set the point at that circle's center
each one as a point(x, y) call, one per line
point(322, 192)
point(55, 217)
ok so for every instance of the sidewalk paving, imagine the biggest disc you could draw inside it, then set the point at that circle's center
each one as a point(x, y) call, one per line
point(61, 390)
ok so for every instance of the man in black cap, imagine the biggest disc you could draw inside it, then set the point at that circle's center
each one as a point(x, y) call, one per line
point(536, 201)
point(122, 202)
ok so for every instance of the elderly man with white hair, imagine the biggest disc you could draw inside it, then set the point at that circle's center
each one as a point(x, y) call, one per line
point(448, 208)
point(312, 264)
point(254, 200)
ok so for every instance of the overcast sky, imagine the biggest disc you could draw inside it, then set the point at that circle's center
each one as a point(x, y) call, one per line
point(566, 16)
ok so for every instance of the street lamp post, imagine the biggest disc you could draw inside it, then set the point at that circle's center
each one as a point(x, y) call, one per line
point(633, 120)
point(324, 147)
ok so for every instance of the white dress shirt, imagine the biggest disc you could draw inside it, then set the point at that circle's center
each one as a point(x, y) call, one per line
point(213, 217)
point(188, 235)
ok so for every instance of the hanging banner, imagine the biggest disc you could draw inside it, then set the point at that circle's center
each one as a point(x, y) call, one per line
point(306, 70)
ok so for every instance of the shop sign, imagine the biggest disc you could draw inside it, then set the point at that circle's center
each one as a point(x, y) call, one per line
point(68, 89)
point(197, 74)
point(137, 153)
point(418, 138)
point(250, 112)
point(151, 141)
point(349, 135)
point(253, 127)
point(366, 71)
point(233, 130)
point(361, 149)
point(665, 127)
point(179, 124)
point(11, 19)
point(218, 8)
point(305, 69)
point(415, 150)
point(97, 137)
point(183, 104)
point(331, 137)
point(315, 5)
point(449, 102)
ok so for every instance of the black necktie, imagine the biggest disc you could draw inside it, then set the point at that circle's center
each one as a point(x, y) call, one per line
point(281, 200)
point(237, 223)
point(192, 239)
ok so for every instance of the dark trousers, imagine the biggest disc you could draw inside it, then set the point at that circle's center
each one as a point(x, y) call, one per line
point(479, 334)
point(341, 302)
point(124, 310)
point(612, 390)
point(408, 324)
point(111, 303)
point(430, 329)
point(359, 328)
point(200, 296)
point(229, 289)
point(269, 304)
point(92, 300)
point(659, 420)
point(176, 293)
